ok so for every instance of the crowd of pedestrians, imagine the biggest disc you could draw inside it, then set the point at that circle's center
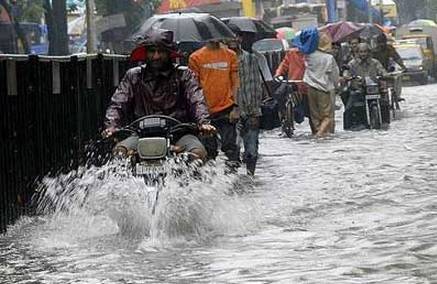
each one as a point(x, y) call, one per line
point(226, 82)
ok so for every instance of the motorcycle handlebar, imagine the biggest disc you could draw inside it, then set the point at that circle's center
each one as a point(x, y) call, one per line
point(281, 79)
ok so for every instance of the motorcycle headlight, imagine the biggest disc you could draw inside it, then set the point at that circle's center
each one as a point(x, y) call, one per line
point(152, 148)
point(372, 89)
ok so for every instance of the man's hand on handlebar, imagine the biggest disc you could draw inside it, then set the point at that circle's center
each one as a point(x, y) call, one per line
point(108, 132)
point(207, 129)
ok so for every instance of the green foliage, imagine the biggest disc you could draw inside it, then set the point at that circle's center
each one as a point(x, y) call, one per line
point(31, 10)
point(134, 10)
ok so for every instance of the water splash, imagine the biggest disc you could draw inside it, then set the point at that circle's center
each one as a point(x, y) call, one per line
point(194, 204)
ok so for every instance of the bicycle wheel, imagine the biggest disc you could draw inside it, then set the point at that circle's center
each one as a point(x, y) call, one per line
point(288, 120)
point(392, 98)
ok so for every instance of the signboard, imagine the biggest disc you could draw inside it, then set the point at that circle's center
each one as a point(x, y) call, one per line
point(248, 8)
point(173, 5)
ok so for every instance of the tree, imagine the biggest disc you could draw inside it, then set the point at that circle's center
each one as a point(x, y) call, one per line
point(55, 13)
point(56, 18)
point(134, 10)
point(408, 9)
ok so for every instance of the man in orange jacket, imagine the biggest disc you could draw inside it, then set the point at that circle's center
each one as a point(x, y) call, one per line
point(217, 69)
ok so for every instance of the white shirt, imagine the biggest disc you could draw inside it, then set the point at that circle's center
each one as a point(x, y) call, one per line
point(321, 71)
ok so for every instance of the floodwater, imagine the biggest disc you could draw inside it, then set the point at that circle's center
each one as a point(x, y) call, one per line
point(359, 207)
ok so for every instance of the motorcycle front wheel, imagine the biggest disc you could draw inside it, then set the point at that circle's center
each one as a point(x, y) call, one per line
point(375, 121)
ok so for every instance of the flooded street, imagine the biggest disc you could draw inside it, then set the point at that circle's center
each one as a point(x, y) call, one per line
point(359, 207)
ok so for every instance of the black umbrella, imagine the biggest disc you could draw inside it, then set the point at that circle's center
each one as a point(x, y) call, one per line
point(188, 27)
point(251, 25)
point(371, 31)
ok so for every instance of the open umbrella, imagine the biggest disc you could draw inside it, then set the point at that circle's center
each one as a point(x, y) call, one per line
point(342, 31)
point(285, 33)
point(371, 30)
point(422, 23)
point(187, 27)
point(251, 25)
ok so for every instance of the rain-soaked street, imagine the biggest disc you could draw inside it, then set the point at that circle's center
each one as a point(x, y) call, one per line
point(359, 207)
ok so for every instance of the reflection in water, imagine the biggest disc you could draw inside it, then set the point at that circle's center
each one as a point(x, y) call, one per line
point(359, 207)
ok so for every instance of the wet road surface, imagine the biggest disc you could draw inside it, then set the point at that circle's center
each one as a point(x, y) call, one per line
point(359, 207)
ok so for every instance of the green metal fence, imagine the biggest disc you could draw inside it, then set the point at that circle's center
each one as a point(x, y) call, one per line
point(50, 108)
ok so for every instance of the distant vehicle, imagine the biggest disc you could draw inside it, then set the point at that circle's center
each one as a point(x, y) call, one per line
point(34, 34)
point(418, 65)
point(36, 37)
point(425, 37)
point(78, 44)
point(268, 45)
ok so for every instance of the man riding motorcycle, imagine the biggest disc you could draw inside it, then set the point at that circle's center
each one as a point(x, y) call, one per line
point(159, 87)
point(386, 54)
point(363, 66)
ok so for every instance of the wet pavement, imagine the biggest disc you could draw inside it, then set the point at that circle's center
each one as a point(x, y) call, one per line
point(359, 207)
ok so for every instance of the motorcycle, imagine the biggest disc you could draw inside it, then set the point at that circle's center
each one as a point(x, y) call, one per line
point(148, 144)
point(366, 103)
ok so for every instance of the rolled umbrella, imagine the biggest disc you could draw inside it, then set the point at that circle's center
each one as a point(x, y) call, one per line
point(285, 33)
point(251, 25)
point(187, 27)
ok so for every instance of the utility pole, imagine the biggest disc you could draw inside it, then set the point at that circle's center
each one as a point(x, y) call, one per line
point(331, 6)
point(381, 11)
point(369, 8)
point(91, 45)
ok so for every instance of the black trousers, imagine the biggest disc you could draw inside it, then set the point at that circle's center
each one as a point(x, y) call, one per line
point(228, 139)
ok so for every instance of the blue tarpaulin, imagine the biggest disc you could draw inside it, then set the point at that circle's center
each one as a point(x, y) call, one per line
point(307, 41)
point(362, 5)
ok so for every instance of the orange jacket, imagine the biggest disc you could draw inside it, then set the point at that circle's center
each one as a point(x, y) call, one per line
point(293, 65)
point(218, 74)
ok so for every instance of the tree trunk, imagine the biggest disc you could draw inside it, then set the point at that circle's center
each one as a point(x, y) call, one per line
point(407, 10)
point(56, 17)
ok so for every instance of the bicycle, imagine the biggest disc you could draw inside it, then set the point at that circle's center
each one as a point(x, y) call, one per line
point(288, 98)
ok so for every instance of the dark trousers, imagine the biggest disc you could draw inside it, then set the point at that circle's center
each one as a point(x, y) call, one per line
point(249, 136)
point(228, 135)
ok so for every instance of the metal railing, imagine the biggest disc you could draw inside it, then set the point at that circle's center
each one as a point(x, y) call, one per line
point(50, 108)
